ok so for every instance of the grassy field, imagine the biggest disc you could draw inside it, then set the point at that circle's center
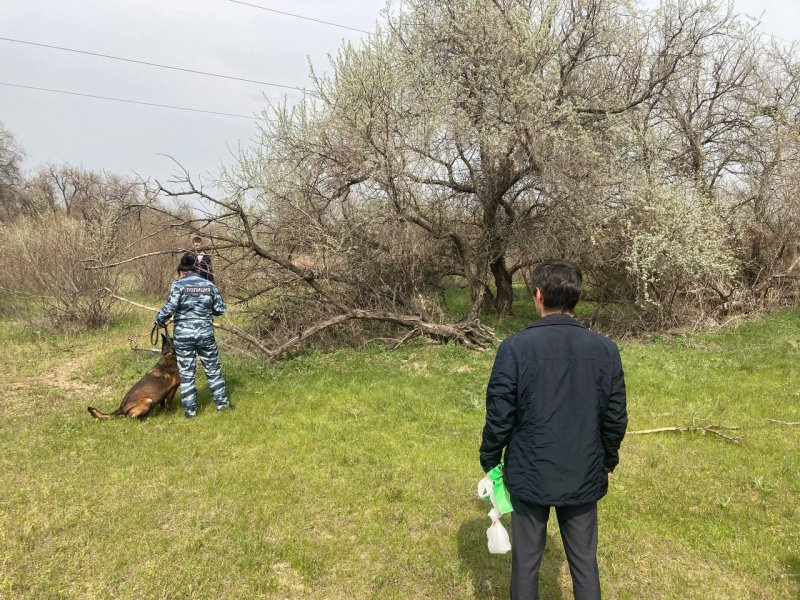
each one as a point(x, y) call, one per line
point(353, 474)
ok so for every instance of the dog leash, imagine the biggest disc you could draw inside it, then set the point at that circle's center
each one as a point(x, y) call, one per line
point(154, 333)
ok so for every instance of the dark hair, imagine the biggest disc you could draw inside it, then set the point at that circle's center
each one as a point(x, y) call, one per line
point(197, 238)
point(187, 263)
point(559, 280)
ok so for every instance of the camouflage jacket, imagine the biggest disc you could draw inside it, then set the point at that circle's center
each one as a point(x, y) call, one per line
point(192, 298)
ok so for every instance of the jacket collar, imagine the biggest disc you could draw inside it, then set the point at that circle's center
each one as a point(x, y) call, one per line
point(556, 319)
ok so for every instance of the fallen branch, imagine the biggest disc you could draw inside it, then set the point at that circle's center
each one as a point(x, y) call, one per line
point(410, 335)
point(121, 299)
point(243, 335)
point(471, 334)
point(788, 423)
point(702, 429)
point(143, 256)
point(127, 260)
point(227, 346)
point(229, 328)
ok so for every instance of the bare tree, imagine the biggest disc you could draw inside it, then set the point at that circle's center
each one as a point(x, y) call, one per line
point(306, 264)
point(11, 180)
point(78, 192)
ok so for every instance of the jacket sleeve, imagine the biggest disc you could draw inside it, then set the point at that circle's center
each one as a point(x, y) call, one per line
point(207, 268)
point(616, 417)
point(170, 306)
point(501, 407)
point(219, 307)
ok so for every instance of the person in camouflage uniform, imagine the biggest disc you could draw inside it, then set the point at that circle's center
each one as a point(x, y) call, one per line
point(193, 301)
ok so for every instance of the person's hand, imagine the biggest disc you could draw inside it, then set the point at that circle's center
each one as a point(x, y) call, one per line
point(610, 475)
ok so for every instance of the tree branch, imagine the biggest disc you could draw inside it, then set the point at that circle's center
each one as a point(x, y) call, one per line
point(715, 429)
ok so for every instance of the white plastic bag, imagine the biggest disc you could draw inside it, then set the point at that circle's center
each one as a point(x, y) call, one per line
point(498, 538)
point(496, 534)
point(486, 489)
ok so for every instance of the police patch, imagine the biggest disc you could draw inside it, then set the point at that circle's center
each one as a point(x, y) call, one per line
point(197, 289)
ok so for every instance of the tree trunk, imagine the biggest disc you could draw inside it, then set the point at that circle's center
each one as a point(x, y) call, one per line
point(496, 233)
point(477, 299)
point(504, 299)
point(488, 304)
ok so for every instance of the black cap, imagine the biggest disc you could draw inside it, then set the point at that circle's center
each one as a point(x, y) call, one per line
point(187, 263)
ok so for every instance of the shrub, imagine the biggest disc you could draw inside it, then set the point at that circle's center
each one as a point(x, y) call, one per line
point(43, 270)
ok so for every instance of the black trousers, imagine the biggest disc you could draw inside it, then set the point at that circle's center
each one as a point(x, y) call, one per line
point(578, 525)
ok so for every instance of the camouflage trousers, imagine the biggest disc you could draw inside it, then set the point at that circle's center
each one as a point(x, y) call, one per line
point(192, 339)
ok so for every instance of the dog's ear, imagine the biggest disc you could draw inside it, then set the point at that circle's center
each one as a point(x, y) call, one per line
point(166, 344)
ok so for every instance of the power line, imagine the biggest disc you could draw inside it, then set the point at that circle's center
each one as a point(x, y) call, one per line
point(151, 64)
point(197, 110)
point(296, 16)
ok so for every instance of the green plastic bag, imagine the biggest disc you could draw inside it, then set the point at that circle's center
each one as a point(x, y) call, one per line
point(499, 490)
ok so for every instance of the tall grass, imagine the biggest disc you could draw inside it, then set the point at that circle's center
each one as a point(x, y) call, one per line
point(43, 271)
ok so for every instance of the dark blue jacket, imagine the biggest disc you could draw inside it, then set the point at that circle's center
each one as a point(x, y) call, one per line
point(556, 403)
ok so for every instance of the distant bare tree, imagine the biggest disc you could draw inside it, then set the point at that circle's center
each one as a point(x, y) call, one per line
point(68, 219)
point(78, 192)
point(11, 156)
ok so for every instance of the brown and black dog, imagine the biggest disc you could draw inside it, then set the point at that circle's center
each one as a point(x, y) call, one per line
point(158, 386)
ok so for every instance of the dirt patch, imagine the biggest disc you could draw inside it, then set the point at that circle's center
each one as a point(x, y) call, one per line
point(289, 580)
point(37, 395)
point(65, 376)
point(414, 367)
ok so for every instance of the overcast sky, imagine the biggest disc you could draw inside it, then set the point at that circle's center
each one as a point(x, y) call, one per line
point(219, 36)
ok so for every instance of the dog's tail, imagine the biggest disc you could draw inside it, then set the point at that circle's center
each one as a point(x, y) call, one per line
point(101, 415)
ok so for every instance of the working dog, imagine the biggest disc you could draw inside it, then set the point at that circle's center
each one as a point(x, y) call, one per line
point(158, 386)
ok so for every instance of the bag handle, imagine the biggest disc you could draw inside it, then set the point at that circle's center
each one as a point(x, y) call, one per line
point(486, 489)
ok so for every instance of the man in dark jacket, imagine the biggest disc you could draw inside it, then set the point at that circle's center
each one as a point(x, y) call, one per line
point(202, 260)
point(555, 403)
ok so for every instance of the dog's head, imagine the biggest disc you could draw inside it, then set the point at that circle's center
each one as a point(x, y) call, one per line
point(166, 345)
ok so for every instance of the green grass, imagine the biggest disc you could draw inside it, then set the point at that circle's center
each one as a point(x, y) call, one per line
point(352, 475)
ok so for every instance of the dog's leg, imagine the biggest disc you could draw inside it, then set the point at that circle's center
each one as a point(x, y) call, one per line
point(166, 403)
point(140, 409)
